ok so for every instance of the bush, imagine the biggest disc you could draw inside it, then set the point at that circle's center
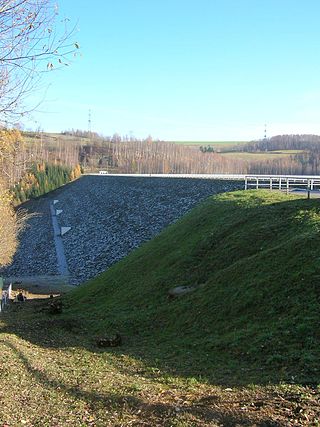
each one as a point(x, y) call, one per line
point(9, 227)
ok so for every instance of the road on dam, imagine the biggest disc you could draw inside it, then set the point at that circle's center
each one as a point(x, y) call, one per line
point(109, 217)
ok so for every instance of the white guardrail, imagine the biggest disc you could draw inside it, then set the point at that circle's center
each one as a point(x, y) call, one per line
point(283, 182)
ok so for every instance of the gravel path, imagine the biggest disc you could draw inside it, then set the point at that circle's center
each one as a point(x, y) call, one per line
point(109, 216)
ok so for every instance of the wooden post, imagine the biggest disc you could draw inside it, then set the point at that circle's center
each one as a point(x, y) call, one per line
point(257, 184)
point(280, 183)
point(287, 185)
point(246, 183)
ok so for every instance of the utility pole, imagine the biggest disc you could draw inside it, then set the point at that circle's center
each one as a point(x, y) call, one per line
point(89, 124)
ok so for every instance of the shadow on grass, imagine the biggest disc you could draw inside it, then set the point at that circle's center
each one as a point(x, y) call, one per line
point(158, 411)
point(259, 313)
point(162, 364)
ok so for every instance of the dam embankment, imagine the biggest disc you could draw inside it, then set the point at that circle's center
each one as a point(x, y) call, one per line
point(109, 217)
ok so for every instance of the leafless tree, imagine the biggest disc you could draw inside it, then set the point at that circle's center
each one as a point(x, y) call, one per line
point(32, 41)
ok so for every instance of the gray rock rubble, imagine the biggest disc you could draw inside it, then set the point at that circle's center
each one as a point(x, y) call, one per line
point(109, 216)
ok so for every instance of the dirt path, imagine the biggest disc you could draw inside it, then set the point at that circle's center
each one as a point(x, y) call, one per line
point(41, 284)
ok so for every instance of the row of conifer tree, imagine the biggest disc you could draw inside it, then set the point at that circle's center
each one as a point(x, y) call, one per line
point(42, 178)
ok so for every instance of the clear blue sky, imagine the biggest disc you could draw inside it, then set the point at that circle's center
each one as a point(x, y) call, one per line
point(189, 69)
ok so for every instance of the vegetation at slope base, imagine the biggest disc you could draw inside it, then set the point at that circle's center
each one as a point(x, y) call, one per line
point(253, 259)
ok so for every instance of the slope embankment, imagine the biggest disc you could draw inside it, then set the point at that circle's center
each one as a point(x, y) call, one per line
point(251, 261)
point(241, 348)
point(108, 216)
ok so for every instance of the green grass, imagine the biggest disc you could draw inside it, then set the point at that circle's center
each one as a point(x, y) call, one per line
point(219, 145)
point(261, 155)
point(253, 258)
point(288, 151)
point(209, 142)
point(242, 349)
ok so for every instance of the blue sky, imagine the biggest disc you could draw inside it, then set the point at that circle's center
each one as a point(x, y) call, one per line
point(189, 69)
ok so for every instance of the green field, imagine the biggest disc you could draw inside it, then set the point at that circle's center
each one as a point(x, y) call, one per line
point(262, 155)
point(218, 145)
point(241, 348)
point(229, 149)
point(52, 140)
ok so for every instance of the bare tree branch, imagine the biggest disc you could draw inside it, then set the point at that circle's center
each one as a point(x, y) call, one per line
point(32, 41)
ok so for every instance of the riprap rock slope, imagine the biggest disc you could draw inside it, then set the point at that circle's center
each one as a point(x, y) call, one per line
point(109, 216)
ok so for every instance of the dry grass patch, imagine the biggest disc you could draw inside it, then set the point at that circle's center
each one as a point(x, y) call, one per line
point(52, 375)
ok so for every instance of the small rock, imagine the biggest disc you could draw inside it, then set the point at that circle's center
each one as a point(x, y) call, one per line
point(180, 290)
point(115, 341)
point(55, 307)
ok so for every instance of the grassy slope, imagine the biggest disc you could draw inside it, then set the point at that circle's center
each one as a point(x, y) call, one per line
point(254, 257)
point(253, 319)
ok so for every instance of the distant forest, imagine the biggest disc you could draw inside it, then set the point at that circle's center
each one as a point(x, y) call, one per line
point(38, 162)
point(130, 155)
point(305, 162)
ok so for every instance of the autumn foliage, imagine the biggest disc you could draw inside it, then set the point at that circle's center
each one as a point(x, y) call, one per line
point(9, 226)
point(11, 146)
point(31, 37)
point(21, 179)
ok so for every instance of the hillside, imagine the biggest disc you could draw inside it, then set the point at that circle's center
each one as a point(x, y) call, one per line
point(241, 349)
point(294, 154)
point(253, 260)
